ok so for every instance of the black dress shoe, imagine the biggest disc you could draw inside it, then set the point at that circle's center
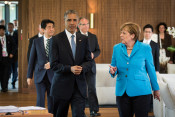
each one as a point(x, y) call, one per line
point(4, 90)
point(94, 114)
point(13, 86)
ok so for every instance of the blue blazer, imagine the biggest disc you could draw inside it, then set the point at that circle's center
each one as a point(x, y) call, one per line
point(37, 61)
point(132, 72)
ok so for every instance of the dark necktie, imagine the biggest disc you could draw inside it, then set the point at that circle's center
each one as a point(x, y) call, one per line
point(47, 47)
point(73, 46)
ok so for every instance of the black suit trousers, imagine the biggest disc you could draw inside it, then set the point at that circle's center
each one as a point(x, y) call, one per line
point(77, 101)
point(41, 88)
point(92, 95)
point(138, 105)
point(4, 73)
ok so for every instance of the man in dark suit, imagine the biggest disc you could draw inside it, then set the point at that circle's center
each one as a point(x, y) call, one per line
point(15, 23)
point(147, 31)
point(40, 34)
point(70, 60)
point(91, 75)
point(7, 52)
point(39, 63)
point(14, 66)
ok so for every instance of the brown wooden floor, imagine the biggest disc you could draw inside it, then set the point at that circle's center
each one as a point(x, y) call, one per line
point(19, 99)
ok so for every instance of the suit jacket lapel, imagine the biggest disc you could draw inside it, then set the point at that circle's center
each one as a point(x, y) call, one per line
point(135, 48)
point(41, 44)
point(151, 44)
point(78, 41)
point(67, 44)
point(124, 50)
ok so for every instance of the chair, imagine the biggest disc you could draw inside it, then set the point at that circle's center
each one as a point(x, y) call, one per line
point(166, 107)
point(105, 85)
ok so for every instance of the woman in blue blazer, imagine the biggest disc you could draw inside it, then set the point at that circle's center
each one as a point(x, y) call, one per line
point(132, 62)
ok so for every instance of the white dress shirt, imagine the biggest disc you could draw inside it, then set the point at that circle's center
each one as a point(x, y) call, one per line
point(69, 36)
point(86, 34)
point(39, 35)
point(147, 41)
point(10, 33)
point(4, 46)
point(45, 41)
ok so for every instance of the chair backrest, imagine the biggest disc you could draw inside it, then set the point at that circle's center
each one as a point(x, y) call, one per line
point(166, 91)
point(171, 68)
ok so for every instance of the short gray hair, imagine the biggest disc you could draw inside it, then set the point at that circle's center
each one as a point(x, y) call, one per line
point(70, 12)
point(83, 18)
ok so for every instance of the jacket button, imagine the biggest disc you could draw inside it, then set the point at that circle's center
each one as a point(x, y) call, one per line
point(125, 75)
point(127, 62)
point(127, 69)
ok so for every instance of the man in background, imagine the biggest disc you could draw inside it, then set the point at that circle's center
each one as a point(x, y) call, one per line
point(15, 22)
point(147, 32)
point(91, 75)
point(2, 22)
point(14, 35)
point(7, 52)
point(40, 65)
point(40, 34)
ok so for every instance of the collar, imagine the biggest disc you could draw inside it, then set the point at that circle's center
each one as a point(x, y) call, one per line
point(46, 38)
point(134, 50)
point(70, 34)
point(147, 41)
point(2, 37)
point(86, 34)
point(40, 35)
point(11, 33)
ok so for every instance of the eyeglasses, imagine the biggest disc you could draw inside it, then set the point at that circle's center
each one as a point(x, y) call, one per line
point(147, 32)
point(84, 24)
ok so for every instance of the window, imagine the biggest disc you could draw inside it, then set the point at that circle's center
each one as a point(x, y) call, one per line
point(12, 12)
point(2, 11)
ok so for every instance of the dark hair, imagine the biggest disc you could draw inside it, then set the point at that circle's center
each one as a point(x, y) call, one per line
point(10, 24)
point(2, 20)
point(45, 22)
point(70, 12)
point(2, 27)
point(148, 26)
point(161, 23)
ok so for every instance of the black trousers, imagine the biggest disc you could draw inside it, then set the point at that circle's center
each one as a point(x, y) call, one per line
point(92, 95)
point(77, 101)
point(14, 72)
point(41, 89)
point(138, 105)
point(4, 73)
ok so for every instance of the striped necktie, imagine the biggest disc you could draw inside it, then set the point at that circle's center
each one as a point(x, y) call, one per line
point(47, 47)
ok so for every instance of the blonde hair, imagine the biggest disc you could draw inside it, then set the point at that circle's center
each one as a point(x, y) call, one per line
point(132, 28)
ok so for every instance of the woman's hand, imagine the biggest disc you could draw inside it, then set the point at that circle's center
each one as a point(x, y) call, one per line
point(157, 95)
point(112, 69)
